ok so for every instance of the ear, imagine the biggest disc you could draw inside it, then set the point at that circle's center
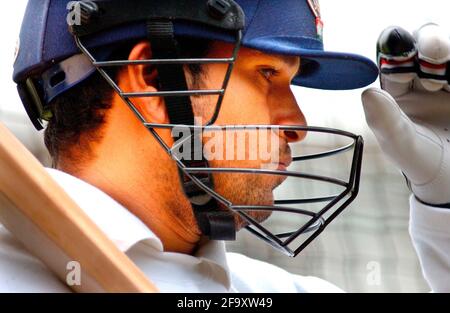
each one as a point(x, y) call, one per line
point(144, 78)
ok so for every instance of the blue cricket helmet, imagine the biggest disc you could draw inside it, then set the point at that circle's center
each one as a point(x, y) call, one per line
point(289, 27)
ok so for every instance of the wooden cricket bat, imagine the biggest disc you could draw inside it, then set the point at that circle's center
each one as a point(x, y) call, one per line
point(37, 211)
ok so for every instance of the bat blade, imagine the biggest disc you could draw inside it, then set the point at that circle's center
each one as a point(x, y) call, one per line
point(37, 211)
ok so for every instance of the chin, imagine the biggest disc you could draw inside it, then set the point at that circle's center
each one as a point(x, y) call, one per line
point(259, 216)
point(248, 190)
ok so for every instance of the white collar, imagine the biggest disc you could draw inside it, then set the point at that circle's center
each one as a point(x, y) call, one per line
point(124, 228)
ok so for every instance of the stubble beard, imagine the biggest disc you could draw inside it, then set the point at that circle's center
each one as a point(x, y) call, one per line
point(247, 190)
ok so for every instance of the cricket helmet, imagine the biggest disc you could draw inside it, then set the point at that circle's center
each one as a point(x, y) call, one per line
point(62, 43)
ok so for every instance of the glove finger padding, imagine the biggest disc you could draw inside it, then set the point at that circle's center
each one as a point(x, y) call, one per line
point(396, 55)
point(433, 46)
point(403, 58)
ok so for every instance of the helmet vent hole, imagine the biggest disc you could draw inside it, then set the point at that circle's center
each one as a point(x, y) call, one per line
point(57, 79)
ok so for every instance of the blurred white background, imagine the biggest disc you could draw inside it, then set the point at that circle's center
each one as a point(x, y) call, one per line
point(372, 233)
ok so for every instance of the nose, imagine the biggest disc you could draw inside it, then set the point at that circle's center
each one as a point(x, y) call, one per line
point(290, 114)
point(292, 136)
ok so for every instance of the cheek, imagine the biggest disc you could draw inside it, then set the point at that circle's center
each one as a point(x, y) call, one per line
point(245, 102)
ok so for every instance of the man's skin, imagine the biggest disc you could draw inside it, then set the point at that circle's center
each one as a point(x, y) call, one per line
point(127, 163)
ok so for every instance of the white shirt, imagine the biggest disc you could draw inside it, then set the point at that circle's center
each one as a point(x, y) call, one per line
point(210, 270)
point(429, 228)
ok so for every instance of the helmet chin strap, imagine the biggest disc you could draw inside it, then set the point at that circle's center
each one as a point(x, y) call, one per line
point(214, 223)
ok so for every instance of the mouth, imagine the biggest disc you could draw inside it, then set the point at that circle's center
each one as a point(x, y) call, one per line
point(284, 163)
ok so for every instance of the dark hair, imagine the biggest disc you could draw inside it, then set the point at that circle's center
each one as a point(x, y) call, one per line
point(81, 110)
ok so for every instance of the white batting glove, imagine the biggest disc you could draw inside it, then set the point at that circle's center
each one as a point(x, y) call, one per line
point(410, 117)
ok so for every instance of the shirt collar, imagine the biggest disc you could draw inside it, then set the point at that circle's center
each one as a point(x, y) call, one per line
point(124, 228)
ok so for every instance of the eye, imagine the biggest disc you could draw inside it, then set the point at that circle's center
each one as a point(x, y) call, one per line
point(268, 73)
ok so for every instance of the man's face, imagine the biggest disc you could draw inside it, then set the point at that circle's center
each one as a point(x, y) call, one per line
point(259, 93)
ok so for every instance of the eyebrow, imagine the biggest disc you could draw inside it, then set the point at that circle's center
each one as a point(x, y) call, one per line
point(286, 60)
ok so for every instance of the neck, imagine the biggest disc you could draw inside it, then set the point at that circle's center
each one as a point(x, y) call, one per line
point(171, 220)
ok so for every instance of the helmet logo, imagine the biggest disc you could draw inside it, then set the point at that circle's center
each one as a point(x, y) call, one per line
point(315, 8)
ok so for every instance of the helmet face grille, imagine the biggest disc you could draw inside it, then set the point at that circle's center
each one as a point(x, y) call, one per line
point(307, 216)
point(307, 222)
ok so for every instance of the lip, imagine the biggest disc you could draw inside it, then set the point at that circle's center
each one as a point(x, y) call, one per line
point(284, 164)
point(282, 167)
